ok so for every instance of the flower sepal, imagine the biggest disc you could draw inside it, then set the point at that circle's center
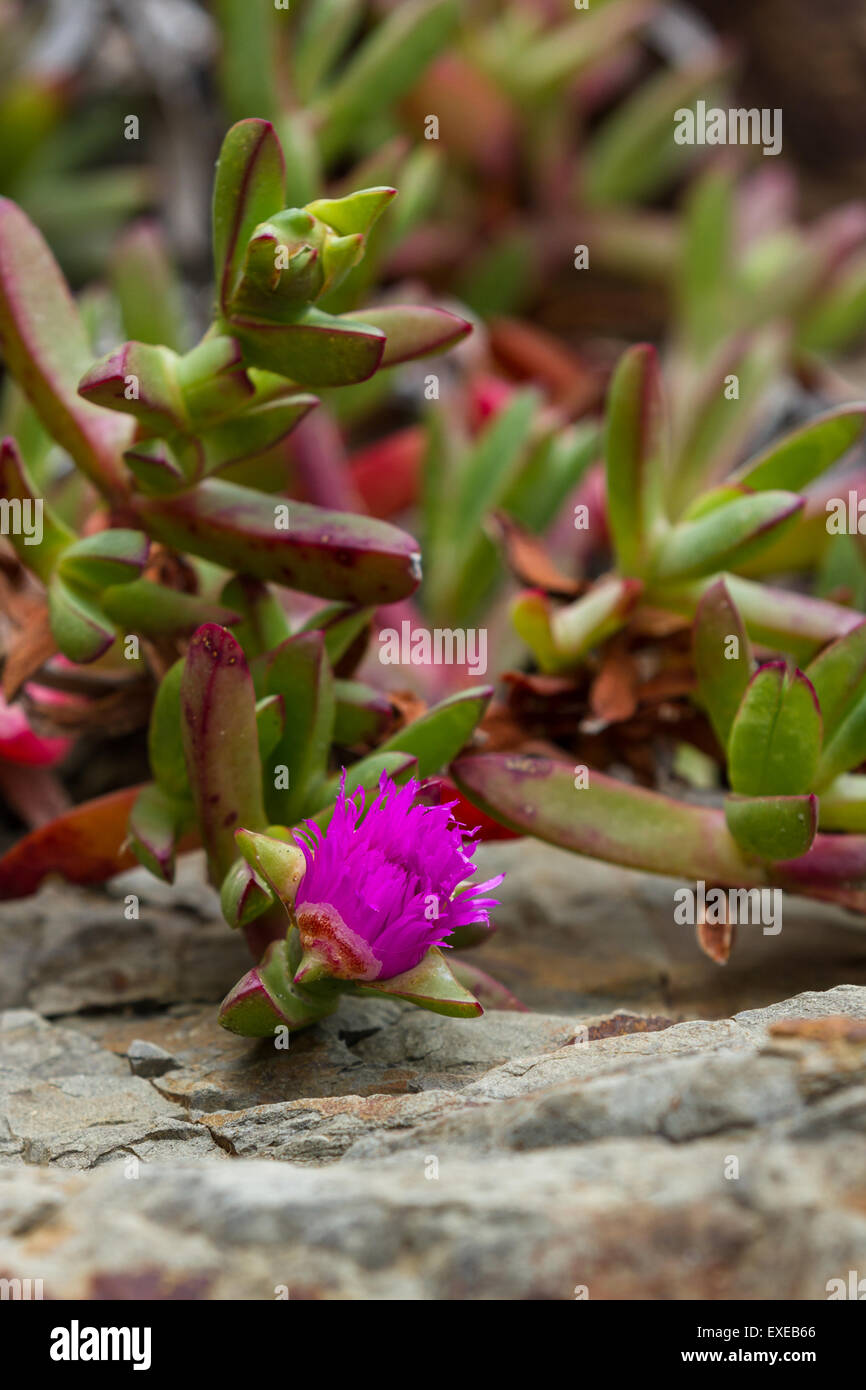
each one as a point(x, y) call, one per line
point(266, 998)
point(430, 985)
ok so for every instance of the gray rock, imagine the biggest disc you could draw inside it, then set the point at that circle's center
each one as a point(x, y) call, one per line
point(149, 1059)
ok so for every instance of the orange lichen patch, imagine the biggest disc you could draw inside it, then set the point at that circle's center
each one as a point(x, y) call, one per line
point(835, 1028)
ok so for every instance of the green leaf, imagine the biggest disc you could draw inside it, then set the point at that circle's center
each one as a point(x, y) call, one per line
point(221, 744)
point(267, 999)
point(437, 736)
point(16, 486)
point(271, 722)
point(79, 626)
point(155, 824)
point(154, 611)
point(300, 672)
point(635, 453)
point(361, 714)
point(46, 348)
point(411, 330)
point(326, 30)
point(775, 738)
point(244, 896)
point(722, 656)
point(342, 625)
point(280, 863)
point(147, 288)
point(332, 554)
point(726, 536)
point(139, 380)
point(165, 736)
point(838, 674)
point(355, 213)
point(318, 350)
point(587, 622)
point(384, 67)
point(253, 432)
point(115, 556)
point(773, 827)
point(797, 459)
point(366, 773)
point(430, 985)
point(706, 301)
point(248, 189)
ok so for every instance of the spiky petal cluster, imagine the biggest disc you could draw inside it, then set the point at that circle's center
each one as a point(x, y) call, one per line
point(379, 889)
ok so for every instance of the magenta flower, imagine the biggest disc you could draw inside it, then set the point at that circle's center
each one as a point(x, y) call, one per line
point(377, 895)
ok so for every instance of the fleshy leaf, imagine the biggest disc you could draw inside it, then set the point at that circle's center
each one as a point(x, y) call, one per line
point(797, 459)
point(249, 187)
point(84, 845)
point(45, 346)
point(430, 985)
point(361, 714)
point(155, 824)
point(722, 656)
point(726, 536)
point(411, 330)
point(270, 722)
point(155, 611)
point(16, 485)
point(279, 863)
point(114, 556)
point(244, 896)
point(139, 380)
point(400, 767)
point(80, 628)
point(775, 738)
point(438, 735)
point(317, 350)
point(332, 554)
point(635, 451)
point(267, 999)
point(839, 676)
point(773, 827)
point(300, 672)
point(355, 213)
point(221, 744)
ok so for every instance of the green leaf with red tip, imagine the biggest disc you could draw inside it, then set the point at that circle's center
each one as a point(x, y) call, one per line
point(157, 468)
point(430, 985)
point(139, 380)
point(332, 554)
point(722, 656)
point(366, 773)
point(438, 735)
point(165, 736)
point(775, 739)
point(636, 457)
point(267, 999)
point(344, 627)
point(85, 845)
point(279, 863)
point(146, 287)
point(355, 213)
point(213, 381)
point(412, 330)
point(244, 895)
point(156, 824)
point(579, 626)
point(300, 672)
point(114, 556)
point(16, 486)
point(317, 350)
point(838, 674)
point(271, 723)
point(154, 611)
point(80, 628)
point(249, 187)
point(532, 615)
point(803, 455)
point(602, 818)
point(263, 623)
point(725, 537)
point(253, 432)
point(221, 744)
point(773, 827)
point(361, 714)
point(45, 346)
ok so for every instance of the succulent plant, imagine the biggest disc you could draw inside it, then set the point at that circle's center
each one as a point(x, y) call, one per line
point(790, 739)
point(245, 729)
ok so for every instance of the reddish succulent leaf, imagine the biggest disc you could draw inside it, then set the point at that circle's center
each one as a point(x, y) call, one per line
point(387, 474)
point(221, 744)
point(84, 846)
point(528, 559)
point(411, 330)
point(332, 554)
point(248, 188)
point(45, 346)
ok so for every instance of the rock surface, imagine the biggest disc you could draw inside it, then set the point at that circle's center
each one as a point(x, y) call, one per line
point(607, 1145)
